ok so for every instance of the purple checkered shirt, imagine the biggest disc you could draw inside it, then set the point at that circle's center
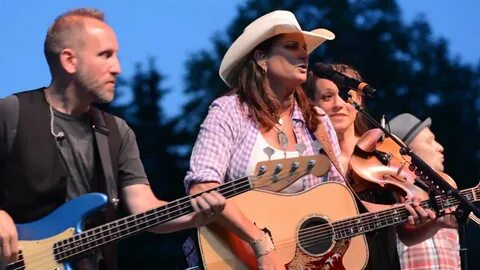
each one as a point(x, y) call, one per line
point(224, 145)
point(227, 136)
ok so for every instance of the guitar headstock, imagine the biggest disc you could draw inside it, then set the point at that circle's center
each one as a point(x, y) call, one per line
point(276, 175)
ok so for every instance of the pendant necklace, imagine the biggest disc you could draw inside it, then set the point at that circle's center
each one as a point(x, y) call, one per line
point(281, 136)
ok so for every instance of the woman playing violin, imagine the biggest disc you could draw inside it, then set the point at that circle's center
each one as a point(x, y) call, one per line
point(350, 126)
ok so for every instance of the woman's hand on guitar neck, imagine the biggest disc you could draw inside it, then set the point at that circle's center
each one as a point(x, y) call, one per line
point(8, 238)
point(418, 215)
point(422, 223)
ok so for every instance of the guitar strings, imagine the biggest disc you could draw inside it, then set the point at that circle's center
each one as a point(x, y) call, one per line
point(371, 216)
point(324, 231)
point(316, 228)
point(439, 200)
point(312, 235)
point(346, 226)
point(34, 258)
point(309, 233)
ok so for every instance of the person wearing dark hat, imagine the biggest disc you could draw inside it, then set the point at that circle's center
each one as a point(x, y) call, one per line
point(265, 116)
point(441, 250)
point(50, 154)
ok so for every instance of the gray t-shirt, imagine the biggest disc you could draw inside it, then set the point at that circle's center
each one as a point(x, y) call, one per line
point(78, 154)
point(77, 148)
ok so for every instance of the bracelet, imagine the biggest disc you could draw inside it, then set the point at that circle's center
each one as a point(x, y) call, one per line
point(262, 245)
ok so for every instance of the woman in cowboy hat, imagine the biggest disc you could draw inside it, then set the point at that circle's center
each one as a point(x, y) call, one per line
point(265, 116)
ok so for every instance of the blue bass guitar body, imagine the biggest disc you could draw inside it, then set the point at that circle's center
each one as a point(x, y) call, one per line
point(37, 239)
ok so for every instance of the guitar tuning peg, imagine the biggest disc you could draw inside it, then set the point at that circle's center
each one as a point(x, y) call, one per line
point(276, 172)
point(262, 170)
point(278, 168)
point(269, 152)
point(311, 164)
point(295, 166)
point(300, 148)
point(317, 146)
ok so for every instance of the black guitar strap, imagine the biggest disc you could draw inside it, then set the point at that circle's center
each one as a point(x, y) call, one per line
point(101, 137)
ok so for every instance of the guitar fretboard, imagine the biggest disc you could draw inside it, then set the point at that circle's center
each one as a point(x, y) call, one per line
point(348, 228)
point(127, 226)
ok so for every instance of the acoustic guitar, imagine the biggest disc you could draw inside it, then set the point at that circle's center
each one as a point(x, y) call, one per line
point(316, 229)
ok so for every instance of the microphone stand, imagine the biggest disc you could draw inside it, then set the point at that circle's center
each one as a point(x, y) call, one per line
point(433, 182)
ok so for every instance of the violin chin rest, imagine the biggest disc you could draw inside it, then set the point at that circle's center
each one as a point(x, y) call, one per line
point(368, 142)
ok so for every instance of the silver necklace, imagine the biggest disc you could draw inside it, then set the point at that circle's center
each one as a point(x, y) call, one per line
point(281, 135)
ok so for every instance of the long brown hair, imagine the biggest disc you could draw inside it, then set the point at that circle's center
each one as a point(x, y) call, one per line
point(263, 105)
point(360, 123)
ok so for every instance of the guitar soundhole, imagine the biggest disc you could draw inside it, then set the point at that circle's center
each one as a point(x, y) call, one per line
point(315, 236)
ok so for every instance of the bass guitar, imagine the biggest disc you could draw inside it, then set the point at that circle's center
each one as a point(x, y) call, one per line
point(53, 241)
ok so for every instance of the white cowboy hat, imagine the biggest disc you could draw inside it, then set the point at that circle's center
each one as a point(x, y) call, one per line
point(263, 28)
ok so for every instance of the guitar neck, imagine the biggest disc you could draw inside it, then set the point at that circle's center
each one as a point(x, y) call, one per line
point(130, 225)
point(348, 228)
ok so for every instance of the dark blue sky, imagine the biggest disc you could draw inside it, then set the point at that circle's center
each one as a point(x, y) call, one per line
point(171, 30)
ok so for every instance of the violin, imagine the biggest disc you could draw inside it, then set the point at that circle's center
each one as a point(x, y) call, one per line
point(377, 163)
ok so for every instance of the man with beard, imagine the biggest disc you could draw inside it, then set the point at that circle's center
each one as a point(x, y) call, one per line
point(441, 249)
point(55, 146)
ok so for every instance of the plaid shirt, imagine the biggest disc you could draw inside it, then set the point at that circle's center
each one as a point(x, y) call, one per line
point(441, 252)
point(225, 142)
point(227, 136)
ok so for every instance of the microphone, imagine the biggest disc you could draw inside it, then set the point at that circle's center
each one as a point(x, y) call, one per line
point(59, 136)
point(323, 71)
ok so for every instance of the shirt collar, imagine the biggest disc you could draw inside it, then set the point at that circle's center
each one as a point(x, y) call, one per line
point(297, 116)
